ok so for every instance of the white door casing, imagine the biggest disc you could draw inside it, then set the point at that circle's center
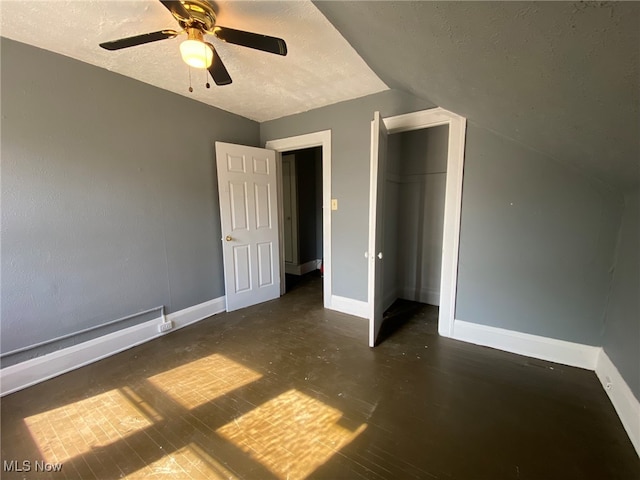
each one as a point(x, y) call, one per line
point(453, 202)
point(299, 142)
point(376, 225)
point(248, 216)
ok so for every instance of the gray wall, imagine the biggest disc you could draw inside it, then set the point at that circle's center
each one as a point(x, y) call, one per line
point(390, 286)
point(537, 242)
point(308, 233)
point(422, 183)
point(106, 210)
point(349, 123)
point(621, 339)
point(537, 237)
point(414, 214)
point(109, 196)
point(319, 198)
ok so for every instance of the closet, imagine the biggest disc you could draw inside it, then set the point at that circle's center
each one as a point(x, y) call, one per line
point(414, 214)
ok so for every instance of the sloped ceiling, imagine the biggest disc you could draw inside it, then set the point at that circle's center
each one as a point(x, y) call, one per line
point(560, 77)
point(321, 68)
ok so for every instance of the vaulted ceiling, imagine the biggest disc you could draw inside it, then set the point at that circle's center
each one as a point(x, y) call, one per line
point(321, 68)
point(559, 77)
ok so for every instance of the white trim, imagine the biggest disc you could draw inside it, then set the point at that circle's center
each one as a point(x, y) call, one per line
point(419, 120)
point(310, 266)
point(422, 295)
point(303, 268)
point(621, 396)
point(316, 139)
point(551, 349)
point(350, 306)
point(453, 200)
point(291, 269)
point(30, 372)
point(198, 312)
point(567, 353)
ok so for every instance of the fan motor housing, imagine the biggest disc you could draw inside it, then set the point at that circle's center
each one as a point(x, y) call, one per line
point(203, 16)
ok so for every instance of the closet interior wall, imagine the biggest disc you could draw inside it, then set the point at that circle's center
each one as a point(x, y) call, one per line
point(414, 214)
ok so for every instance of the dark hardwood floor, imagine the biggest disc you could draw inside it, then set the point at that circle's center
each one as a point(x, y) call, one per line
point(287, 389)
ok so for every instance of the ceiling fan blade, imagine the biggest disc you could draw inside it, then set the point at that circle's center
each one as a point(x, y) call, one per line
point(138, 40)
point(217, 70)
point(177, 9)
point(252, 40)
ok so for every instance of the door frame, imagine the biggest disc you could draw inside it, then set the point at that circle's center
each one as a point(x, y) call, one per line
point(453, 201)
point(299, 142)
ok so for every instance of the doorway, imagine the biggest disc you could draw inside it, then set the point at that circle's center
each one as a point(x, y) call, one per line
point(415, 184)
point(301, 178)
point(282, 147)
point(380, 131)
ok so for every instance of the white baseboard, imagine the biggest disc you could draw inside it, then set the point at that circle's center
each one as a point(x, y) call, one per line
point(311, 266)
point(307, 267)
point(423, 295)
point(30, 372)
point(621, 396)
point(194, 314)
point(559, 351)
point(350, 306)
point(566, 353)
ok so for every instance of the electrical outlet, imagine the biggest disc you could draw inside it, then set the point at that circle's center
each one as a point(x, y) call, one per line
point(165, 327)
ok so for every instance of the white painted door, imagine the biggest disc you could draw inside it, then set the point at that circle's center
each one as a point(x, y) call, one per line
point(376, 226)
point(249, 219)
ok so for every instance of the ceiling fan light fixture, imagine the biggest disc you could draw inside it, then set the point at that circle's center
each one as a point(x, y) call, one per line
point(195, 52)
point(197, 18)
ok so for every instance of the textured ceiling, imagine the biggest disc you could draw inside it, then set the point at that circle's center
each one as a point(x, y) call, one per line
point(321, 68)
point(560, 77)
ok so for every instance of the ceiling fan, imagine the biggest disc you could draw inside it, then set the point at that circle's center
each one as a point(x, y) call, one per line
point(197, 18)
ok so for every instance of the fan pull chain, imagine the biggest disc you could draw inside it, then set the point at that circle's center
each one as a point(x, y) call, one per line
point(206, 72)
point(190, 87)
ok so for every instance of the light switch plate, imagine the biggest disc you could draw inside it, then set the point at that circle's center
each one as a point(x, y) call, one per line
point(334, 204)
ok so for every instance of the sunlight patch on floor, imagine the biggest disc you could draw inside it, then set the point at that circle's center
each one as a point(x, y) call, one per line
point(202, 380)
point(291, 435)
point(188, 462)
point(80, 427)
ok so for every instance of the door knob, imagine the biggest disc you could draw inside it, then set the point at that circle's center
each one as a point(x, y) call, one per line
point(228, 238)
point(380, 255)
